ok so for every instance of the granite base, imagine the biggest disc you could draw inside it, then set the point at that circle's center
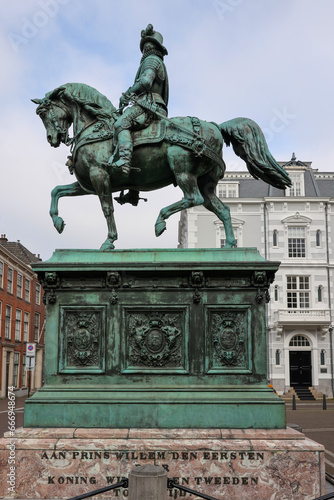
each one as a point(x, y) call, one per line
point(237, 463)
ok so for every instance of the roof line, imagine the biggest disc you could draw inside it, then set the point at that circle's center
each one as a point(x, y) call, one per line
point(315, 184)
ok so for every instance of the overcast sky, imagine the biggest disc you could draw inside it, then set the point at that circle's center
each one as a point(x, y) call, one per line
point(269, 60)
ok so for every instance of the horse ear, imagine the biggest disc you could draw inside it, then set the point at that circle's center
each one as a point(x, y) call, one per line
point(37, 101)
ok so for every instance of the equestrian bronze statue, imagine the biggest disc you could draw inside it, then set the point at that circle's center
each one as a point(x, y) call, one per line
point(141, 149)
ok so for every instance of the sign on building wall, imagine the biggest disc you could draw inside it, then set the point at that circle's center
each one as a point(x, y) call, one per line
point(31, 350)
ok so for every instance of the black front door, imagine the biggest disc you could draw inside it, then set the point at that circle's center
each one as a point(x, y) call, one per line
point(300, 368)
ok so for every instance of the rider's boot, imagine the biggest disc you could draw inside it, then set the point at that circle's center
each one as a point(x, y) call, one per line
point(125, 151)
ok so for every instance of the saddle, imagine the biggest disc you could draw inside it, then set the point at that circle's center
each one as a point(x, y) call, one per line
point(154, 133)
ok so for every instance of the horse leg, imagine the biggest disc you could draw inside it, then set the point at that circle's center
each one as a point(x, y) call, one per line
point(181, 165)
point(101, 182)
point(58, 192)
point(215, 205)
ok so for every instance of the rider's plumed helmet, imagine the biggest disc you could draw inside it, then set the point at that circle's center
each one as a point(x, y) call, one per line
point(149, 35)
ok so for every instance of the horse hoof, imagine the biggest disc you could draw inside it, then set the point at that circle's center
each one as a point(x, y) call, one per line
point(59, 224)
point(107, 245)
point(229, 245)
point(160, 227)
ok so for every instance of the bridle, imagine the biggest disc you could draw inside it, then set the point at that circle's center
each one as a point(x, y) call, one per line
point(47, 104)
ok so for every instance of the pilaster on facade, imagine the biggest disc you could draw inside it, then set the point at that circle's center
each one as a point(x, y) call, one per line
point(294, 227)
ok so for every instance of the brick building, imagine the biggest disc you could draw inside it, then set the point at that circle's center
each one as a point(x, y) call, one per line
point(22, 318)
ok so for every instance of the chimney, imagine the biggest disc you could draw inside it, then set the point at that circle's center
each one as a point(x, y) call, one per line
point(3, 238)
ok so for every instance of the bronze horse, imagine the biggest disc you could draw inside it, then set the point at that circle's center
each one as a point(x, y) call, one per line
point(189, 156)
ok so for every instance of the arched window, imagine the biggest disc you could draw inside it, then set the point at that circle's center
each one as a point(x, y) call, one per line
point(318, 238)
point(323, 357)
point(275, 238)
point(299, 341)
point(278, 357)
point(276, 293)
point(320, 289)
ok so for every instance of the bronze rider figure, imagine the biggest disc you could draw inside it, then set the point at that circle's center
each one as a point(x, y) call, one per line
point(151, 84)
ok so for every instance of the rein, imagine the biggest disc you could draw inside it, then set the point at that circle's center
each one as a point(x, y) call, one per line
point(67, 141)
point(72, 142)
point(62, 131)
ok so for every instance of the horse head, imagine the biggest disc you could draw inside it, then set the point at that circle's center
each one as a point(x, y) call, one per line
point(55, 115)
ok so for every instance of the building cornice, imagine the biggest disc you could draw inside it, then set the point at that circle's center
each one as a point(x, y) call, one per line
point(18, 263)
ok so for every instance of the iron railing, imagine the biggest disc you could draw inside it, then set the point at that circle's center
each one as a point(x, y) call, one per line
point(122, 484)
point(171, 484)
point(329, 478)
point(326, 497)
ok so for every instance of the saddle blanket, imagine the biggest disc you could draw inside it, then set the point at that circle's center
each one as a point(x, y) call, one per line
point(154, 133)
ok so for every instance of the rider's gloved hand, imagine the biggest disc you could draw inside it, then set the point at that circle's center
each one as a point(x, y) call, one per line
point(124, 100)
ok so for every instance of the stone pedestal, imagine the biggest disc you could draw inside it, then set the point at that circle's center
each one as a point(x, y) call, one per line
point(279, 464)
point(156, 338)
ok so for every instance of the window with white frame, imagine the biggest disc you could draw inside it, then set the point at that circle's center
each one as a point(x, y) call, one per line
point(223, 238)
point(26, 327)
point(16, 368)
point(318, 238)
point(24, 372)
point(299, 341)
point(298, 292)
point(1, 274)
point(27, 290)
point(322, 357)
point(37, 326)
point(10, 280)
point(19, 283)
point(8, 321)
point(18, 324)
point(297, 241)
point(38, 293)
point(278, 357)
point(228, 190)
point(297, 188)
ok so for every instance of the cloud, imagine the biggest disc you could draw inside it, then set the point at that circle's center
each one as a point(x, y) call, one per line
point(270, 61)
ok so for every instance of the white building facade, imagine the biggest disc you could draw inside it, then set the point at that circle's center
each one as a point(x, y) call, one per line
point(296, 228)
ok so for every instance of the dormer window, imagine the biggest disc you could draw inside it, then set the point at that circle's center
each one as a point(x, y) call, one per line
point(228, 190)
point(297, 188)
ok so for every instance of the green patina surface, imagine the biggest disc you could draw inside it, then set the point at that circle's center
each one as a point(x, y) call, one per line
point(156, 338)
point(209, 256)
point(138, 148)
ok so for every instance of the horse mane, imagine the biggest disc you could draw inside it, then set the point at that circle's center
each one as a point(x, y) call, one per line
point(89, 98)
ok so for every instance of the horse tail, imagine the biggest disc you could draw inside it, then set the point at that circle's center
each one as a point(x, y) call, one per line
point(250, 144)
